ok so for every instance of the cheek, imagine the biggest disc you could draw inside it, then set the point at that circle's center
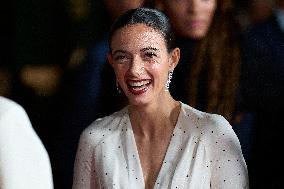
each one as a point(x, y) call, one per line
point(209, 11)
point(159, 72)
point(120, 72)
point(209, 20)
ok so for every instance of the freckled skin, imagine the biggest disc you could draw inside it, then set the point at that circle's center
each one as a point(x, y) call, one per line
point(141, 61)
point(136, 64)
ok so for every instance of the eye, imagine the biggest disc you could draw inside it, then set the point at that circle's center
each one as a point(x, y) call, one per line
point(121, 58)
point(150, 55)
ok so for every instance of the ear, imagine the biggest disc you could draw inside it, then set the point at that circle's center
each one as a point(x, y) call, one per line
point(109, 58)
point(174, 58)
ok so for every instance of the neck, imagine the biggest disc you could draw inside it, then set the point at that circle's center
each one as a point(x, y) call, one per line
point(149, 120)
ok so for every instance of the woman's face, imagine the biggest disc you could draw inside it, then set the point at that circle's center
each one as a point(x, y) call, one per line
point(190, 18)
point(141, 62)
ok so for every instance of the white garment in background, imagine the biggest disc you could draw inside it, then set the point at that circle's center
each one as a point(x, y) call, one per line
point(203, 153)
point(24, 162)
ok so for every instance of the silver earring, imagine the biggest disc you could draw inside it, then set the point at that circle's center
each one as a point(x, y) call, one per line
point(118, 87)
point(170, 76)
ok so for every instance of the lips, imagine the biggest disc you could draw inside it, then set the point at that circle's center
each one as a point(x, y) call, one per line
point(138, 87)
point(194, 24)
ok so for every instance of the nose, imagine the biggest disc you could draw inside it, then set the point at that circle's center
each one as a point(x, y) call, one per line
point(192, 6)
point(137, 66)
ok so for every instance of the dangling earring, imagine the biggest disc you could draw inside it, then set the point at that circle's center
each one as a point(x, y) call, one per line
point(170, 76)
point(118, 87)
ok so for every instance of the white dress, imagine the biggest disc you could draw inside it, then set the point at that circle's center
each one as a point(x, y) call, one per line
point(24, 162)
point(203, 153)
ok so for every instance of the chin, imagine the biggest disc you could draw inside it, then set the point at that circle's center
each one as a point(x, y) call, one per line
point(136, 97)
point(138, 101)
point(197, 35)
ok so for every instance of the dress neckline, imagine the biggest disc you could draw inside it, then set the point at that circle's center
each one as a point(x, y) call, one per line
point(171, 147)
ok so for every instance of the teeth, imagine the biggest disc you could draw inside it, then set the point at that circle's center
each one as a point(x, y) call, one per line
point(138, 83)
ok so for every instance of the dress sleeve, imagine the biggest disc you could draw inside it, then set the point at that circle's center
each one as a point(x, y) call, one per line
point(84, 177)
point(228, 166)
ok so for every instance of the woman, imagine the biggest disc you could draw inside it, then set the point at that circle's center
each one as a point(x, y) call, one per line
point(209, 41)
point(155, 141)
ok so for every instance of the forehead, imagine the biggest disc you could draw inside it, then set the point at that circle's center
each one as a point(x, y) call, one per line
point(136, 36)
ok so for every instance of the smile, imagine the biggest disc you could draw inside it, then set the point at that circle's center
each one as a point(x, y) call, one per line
point(138, 87)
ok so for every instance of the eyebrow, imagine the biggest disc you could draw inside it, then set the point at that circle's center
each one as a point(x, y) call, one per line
point(149, 48)
point(143, 50)
point(119, 51)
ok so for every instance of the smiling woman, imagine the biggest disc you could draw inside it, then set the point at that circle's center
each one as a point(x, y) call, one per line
point(142, 62)
point(158, 142)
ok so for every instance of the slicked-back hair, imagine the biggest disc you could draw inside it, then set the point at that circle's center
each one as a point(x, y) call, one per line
point(150, 17)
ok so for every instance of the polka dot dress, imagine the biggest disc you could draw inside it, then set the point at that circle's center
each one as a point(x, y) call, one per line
point(203, 153)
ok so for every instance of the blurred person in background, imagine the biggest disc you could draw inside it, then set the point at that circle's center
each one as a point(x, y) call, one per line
point(260, 10)
point(24, 162)
point(253, 11)
point(208, 75)
point(264, 95)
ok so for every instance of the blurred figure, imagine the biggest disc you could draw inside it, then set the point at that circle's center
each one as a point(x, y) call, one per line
point(264, 94)
point(84, 97)
point(253, 11)
point(207, 76)
point(204, 29)
point(260, 10)
point(24, 162)
point(116, 8)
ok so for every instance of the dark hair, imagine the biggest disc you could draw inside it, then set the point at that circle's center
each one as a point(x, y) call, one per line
point(218, 56)
point(150, 17)
point(219, 52)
